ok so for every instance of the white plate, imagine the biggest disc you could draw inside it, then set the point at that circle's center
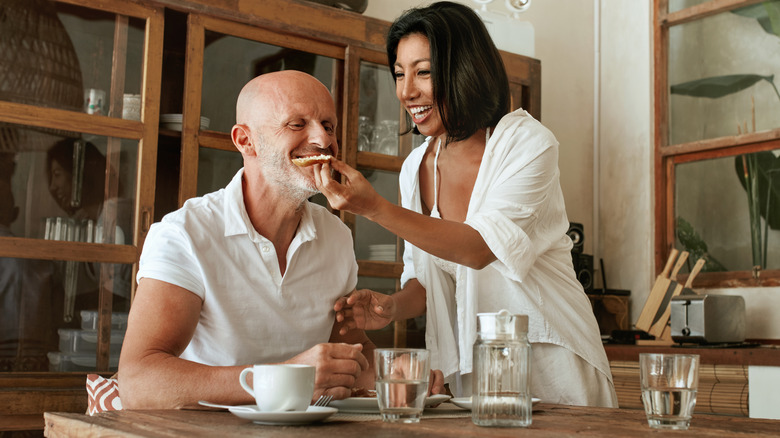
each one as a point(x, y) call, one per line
point(465, 402)
point(370, 405)
point(289, 418)
point(173, 122)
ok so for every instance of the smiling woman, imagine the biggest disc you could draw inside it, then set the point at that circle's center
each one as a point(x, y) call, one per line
point(482, 215)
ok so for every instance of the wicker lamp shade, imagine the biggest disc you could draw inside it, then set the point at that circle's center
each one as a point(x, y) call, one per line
point(38, 66)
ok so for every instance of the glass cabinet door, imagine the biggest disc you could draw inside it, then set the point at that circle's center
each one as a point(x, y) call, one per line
point(77, 87)
point(379, 121)
point(383, 142)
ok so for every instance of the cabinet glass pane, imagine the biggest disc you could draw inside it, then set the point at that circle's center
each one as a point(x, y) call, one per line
point(216, 168)
point(49, 313)
point(98, 37)
point(736, 90)
point(379, 126)
point(379, 284)
point(69, 189)
point(713, 211)
point(676, 5)
point(373, 242)
point(230, 62)
point(69, 57)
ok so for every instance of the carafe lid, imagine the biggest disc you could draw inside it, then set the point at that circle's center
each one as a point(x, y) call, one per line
point(501, 325)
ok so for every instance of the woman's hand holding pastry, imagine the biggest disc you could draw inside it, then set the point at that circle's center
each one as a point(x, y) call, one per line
point(355, 194)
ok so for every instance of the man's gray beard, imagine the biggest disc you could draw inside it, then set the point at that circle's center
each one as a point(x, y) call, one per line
point(277, 169)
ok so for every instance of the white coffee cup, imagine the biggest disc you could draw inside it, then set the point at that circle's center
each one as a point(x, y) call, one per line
point(283, 387)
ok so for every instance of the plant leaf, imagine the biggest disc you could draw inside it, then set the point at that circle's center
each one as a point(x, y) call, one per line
point(773, 11)
point(696, 247)
point(718, 86)
point(768, 176)
point(763, 13)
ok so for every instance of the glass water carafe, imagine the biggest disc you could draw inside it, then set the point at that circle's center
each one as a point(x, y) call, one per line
point(501, 393)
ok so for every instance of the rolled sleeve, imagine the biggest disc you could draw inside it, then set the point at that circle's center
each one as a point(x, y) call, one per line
point(168, 256)
point(513, 248)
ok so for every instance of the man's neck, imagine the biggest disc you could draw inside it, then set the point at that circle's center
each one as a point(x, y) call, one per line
point(274, 215)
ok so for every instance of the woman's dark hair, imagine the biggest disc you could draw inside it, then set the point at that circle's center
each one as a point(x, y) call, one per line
point(470, 84)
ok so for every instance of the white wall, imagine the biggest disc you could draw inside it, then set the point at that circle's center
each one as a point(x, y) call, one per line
point(611, 184)
point(625, 207)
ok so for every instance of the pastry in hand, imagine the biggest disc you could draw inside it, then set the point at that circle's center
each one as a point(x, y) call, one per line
point(309, 161)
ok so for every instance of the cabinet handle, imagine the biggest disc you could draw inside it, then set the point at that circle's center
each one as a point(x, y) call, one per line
point(146, 220)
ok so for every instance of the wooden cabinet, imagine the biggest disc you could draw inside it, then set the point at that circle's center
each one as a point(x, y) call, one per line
point(166, 58)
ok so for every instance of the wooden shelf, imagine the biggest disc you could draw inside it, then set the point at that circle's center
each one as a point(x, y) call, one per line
point(766, 355)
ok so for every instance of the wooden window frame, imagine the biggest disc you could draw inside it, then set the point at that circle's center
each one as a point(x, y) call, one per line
point(666, 156)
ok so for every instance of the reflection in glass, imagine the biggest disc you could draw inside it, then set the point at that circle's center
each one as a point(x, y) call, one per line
point(722, 83)
point(92, 33)
point(230, 62)
point(34, 328)
point(713, 204)
point(216, 168)
point(88, 179)
point(379, 110)
point(676, 5)
point(38, 64)
point(373, 242)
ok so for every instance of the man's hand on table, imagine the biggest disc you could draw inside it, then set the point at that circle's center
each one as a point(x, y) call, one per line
point(338, 367)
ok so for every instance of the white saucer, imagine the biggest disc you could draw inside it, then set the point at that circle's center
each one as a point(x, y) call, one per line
point(465, 402)
point(289, 418)
point(370, 405)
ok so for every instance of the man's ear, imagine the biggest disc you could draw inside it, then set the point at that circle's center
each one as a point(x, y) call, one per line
point(242, 138)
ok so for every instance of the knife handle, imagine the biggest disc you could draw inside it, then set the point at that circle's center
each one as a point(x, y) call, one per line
point(670, 262)
point(694, 272)
point(679, 265)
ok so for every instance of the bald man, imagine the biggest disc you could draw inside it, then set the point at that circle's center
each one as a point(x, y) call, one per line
point(249, 274)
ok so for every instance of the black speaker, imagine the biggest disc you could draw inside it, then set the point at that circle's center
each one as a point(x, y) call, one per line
point(583, 267)
point(577, 234)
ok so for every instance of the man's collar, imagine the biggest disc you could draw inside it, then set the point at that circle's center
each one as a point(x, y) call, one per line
point(237, 219)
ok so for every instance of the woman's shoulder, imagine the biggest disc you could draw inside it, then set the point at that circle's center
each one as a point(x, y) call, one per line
point(520, 135)
point(521, 123)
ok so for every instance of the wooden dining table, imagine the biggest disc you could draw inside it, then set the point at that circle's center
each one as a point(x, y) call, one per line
point(549, 420)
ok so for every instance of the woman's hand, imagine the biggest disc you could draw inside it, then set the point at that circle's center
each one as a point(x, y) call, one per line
point(436, 385)
point(355, 194)
point(364, 309)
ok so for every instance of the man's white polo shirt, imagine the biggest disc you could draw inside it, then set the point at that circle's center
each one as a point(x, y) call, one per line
point(251, 313)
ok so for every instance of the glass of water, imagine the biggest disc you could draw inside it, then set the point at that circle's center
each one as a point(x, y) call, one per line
point(401, 383)
point(669, 383)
